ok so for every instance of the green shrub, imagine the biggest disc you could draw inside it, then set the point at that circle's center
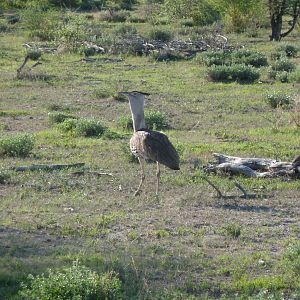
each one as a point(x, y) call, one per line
point(3, 26)
point(59, 117)
point(243, 73)
point(233, 230)
point(283, 65)
point(4, 177)
point(82, 127)
point(291, 257)
point(114, 16)
point(125, 29)
point(34, 53)
point(19, 145)
point(279, 99)
point(164, 35)
point(252, 58)
point(155, 120)
point(43, 24)
point(76, 282)
point(239, 73)
point(89, 128)
point(218, 58)
point(219, 73)
point(187, 22)
point(289, 50)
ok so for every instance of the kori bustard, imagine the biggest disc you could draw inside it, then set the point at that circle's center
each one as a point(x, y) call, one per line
point(149, 144)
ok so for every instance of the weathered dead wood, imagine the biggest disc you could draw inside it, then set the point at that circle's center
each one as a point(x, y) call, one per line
point(48, 167)
point(23, 65)
point(255, 167)
point(253, 163)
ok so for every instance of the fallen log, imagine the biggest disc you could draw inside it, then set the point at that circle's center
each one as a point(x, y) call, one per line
point(254, 167)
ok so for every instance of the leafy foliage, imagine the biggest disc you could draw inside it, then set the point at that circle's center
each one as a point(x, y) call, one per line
point(284, 65)
point(158, 33)
point(76, 282)
point(59, 117)
point(279, 100)
point(82, 127)
point(239, 73)
point(225, 57)
point(19, 145)
point(155, 120)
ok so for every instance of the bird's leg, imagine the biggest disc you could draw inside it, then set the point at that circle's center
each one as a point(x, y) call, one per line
point(158, 177)
point(141, 161)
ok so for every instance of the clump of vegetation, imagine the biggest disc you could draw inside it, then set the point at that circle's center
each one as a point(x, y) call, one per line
point(242, 56)
point(289, 50)
point(250, 58)
point(155, 120)
point(82, 127)
point(233, 230)
point(239, 73)
point(76, 282)
point(59, 117)
point(19, 145)
point(125, 29)
point(114, 16)
point(279, 99)
point(33, 53)
point(4, 177)
point(161, 34)
point(291, 257)
point(283, 64)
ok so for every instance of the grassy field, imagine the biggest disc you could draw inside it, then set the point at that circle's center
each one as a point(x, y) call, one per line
point(188, 244)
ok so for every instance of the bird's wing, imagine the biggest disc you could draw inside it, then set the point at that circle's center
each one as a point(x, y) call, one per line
point(159, 148)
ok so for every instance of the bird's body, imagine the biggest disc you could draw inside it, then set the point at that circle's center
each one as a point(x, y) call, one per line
point(154, 145)
point(149, 144)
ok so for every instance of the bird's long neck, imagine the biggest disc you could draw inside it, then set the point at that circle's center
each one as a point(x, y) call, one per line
point(137, 112)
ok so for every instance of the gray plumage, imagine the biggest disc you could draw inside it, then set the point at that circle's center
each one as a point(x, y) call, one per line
point(155, 146)
point(149, 144)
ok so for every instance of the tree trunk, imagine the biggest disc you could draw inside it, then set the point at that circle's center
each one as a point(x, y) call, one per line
point(276, 24)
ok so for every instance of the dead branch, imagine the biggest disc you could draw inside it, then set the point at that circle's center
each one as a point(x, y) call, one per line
point(23, 65)
point(255, 167)
point(220, 195)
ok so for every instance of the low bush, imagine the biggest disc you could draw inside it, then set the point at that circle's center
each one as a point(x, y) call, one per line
point(247, 57)
point(252, 58)
point(279, 99)
point(155, 120)
point(82, 127)
point(89, 128)
point(125, 29)
point(34, 53)
point(19, 145)
point(59, 117)
point(239, 73)
point(76, 282)
point(114, 16)
point(4, 177)
point(289, 50)
point(217, 58)
point(283, 64)
point(164, 35)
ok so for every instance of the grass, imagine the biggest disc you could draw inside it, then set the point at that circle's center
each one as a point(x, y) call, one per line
point(187, 244)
